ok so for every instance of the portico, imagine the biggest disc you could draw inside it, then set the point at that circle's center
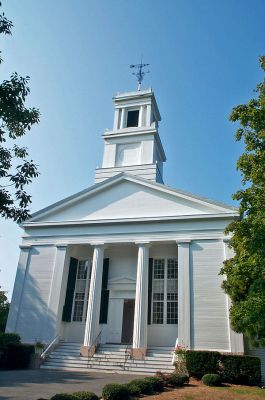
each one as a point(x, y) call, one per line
point(129, 315)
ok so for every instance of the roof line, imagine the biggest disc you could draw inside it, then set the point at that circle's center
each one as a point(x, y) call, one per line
point(98, 186)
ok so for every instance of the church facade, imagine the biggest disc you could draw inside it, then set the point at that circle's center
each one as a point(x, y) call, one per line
point(128, 260)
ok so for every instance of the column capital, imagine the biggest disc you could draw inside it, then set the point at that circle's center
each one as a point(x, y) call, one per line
point(183, 241)
point(61, 245)
point(25, 246)
point(143, 243)
point(98, 244)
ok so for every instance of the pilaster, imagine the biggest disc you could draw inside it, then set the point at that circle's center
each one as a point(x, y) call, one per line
point(55, 303)
point(93, 308)
point(184, 334)
point(22, 268)
point(235, 339)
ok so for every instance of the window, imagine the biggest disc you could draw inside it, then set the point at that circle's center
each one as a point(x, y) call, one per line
point(172, 291)
point(158, 291)
point(81, 290)
point(132, 118)
point(165, 291)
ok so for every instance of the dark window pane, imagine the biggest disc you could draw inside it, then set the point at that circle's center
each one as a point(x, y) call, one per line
point(158, 312)
point(172, 312)
point(132, 118)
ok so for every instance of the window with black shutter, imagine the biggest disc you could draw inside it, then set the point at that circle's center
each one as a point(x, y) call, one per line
point(104, 303)
point(69, 296)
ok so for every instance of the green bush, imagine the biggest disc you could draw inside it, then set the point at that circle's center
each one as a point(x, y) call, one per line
point(115, 391)
point(8, 338)
point(165, 377)
point(144, 386)
point(64, 396)
point(86, 396)
point(133, 389)
point(211, 379)
point(177, 380)
point(199, 363)
point(156, 382)
point(240, 369)
point(18, 355)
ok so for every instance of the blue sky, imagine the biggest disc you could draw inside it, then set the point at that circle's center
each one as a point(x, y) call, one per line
point(203, 57)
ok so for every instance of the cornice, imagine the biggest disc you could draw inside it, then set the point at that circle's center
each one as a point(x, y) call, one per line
point(131, 220)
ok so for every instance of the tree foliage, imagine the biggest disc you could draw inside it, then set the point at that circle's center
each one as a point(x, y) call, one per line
point(245, 272)
point(16, 169)
point(4, 308)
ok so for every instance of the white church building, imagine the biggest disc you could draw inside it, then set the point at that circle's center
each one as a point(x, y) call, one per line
point(128, 261)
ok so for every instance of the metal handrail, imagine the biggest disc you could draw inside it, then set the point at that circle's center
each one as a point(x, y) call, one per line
point(96, 344)
point(127, 354)
point(50, 347)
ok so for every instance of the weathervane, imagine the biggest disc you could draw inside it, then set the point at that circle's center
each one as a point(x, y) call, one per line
point(140, 73)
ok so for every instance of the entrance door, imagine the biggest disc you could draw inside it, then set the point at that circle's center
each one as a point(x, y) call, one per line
point(127, 322)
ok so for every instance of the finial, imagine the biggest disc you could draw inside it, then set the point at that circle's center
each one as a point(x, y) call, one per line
point(140, 73)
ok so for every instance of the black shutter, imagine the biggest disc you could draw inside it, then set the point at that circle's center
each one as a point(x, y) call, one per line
point(104, 303)
point(150, 282)
point(105, 274)
point(68, 304)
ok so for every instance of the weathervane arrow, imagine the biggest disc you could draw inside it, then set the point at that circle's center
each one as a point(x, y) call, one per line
point(140, 72)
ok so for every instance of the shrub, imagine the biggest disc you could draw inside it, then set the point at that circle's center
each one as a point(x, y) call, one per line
point(18, 355)
point(199, 363)
point(163, 376)
point(211, 379)
point(240, 369)
point(133, 389)
point(156, 382)
point(64, 396)
point(8, 338)
point(177, 380)
point(144, 386)
point(115, 391)
point(86, 396)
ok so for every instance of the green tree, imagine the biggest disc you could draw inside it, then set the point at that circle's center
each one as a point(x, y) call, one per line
point(4, 308)
point(16, 170)
point(245, 272)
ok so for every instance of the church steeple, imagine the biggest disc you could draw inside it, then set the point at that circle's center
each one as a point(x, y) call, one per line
point(134, 144)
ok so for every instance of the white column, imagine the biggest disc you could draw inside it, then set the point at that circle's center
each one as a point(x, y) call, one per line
point(184, 334)
point(22, 268)
point(56, 300)
point(141, 116)
point(116, 119)
point(122, 118)
point(93, 308)
point(148, 115)
point(141, 302)
point(236, 339)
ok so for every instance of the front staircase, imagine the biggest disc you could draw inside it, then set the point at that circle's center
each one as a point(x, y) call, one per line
point(109, 358)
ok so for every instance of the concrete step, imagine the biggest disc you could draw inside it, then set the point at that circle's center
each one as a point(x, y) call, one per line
point(84, 360)
point(109, 358)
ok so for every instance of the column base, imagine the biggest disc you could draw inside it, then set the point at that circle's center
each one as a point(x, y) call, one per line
point(138, 354)
point(87, 351)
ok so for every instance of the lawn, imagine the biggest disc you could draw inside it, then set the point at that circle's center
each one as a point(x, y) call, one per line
point(196, 390)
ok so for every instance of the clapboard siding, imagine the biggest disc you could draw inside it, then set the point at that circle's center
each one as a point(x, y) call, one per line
point(209, 322)
point(36, 292)
point(260, 352)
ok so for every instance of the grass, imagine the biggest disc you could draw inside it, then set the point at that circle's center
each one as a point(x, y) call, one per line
point(196, 390)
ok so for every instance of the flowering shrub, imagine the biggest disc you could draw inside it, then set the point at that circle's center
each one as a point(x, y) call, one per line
point(180, 350)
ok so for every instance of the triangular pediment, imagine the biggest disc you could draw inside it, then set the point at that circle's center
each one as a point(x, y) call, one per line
point(122, 280)
point(127, 197)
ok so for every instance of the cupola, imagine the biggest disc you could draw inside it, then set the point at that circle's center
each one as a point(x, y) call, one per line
point(134, 145)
